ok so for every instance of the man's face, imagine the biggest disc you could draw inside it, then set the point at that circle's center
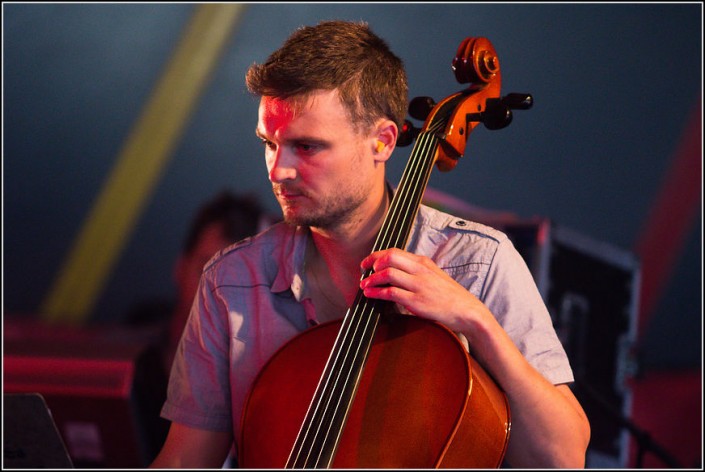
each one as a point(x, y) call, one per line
point(321, 169)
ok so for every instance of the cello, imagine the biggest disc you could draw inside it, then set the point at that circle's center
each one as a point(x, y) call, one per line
point(380, 389)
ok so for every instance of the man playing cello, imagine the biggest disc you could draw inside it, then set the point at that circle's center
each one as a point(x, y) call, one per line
point(332, 101)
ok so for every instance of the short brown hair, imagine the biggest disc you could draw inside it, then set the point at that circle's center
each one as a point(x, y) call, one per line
point(341, 55)
point(239, 216)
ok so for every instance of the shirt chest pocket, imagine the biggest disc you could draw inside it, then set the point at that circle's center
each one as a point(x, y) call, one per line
point(470, 275)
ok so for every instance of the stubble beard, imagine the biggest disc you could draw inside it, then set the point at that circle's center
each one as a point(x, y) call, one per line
point(332, 213)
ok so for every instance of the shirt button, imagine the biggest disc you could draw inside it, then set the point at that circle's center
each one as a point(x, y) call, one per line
point(460, 223)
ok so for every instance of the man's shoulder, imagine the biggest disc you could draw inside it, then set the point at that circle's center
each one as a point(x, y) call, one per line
point(456, 242)
point(433, 219)
point(256, 246)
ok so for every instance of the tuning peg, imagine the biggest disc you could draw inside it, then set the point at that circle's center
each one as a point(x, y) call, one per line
point(518, 101)
point(497, 114)
point(420, 107)
point(498, 111)
point(407, 134)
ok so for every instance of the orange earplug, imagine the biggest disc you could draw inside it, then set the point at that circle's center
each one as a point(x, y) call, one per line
point(380, 146)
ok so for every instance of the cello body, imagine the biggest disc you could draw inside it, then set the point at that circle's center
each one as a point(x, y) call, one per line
point(422, 402)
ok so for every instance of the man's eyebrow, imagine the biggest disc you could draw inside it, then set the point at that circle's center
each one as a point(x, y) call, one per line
point(299, 139)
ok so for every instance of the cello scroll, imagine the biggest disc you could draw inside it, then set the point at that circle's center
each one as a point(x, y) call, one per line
point(476, 62)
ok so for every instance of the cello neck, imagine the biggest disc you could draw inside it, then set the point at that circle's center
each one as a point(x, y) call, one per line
point(399, 220)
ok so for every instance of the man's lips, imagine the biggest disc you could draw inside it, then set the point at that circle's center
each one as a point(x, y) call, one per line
point(288, 194)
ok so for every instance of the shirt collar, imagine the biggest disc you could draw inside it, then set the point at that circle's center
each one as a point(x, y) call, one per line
point(290, 258)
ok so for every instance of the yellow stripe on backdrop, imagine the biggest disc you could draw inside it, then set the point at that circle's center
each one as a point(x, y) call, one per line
point(139, 165)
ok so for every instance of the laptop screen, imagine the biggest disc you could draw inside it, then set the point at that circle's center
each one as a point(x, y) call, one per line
point(31, 438)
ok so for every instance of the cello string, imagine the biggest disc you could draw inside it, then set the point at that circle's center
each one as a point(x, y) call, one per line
point(420, 183)
point(408, 197)
point(393, 232)
point(343, 356)
point(411, 190)
point(392, 226)
point(398, 213)
point(399, 208)
point(353, 329)
point(404, 209)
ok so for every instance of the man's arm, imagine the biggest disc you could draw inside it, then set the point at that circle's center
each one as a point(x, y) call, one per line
point(572, 456)
point(192, 448)
point(549, 427)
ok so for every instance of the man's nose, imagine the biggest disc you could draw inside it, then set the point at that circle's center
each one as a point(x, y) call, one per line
point(281, 166)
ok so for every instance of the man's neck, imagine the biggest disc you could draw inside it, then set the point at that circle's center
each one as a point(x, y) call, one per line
point(342, 249)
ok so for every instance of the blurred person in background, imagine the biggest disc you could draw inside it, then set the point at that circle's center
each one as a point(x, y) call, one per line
point(219, 222)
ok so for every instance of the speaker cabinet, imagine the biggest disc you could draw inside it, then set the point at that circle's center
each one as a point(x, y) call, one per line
point(591, 291)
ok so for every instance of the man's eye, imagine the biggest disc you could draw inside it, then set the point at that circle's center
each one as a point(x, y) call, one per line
point(268, 144)
point(306, 149)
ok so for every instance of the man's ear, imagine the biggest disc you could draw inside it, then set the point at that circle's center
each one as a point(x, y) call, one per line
point(384, 139)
